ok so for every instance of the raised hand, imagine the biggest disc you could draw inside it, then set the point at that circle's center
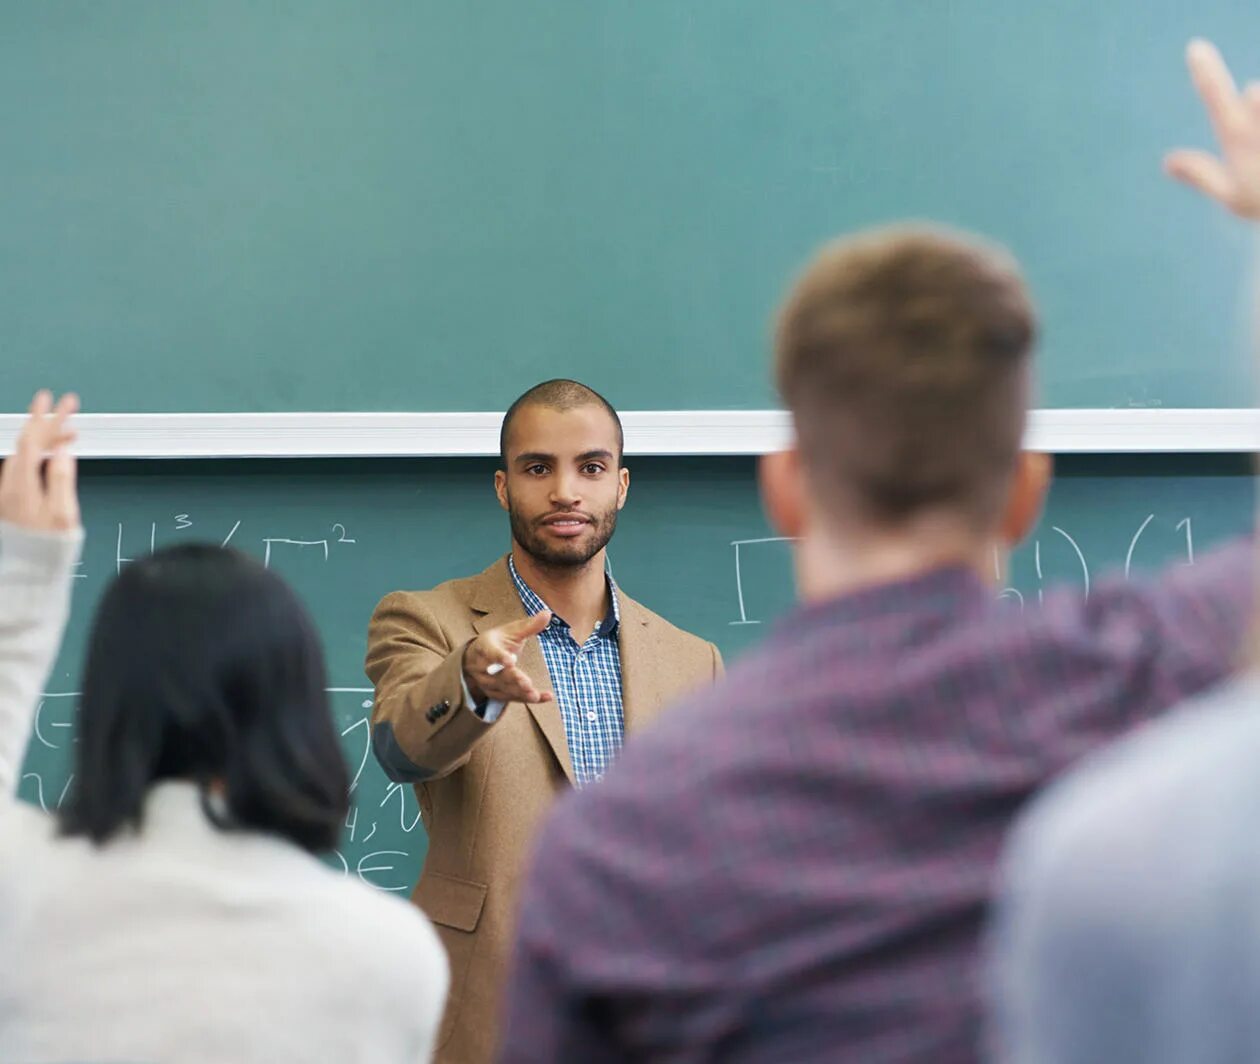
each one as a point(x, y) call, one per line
point(490, 668)
point(1233, 177)
point(37, 481)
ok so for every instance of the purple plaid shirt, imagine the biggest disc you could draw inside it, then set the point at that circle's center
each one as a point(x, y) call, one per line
point(796, 866)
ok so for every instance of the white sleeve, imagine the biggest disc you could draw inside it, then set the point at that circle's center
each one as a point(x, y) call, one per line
point(36, 571)
point(489, 711)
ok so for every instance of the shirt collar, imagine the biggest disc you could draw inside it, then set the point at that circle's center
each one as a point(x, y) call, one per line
point(533, 603)
point(904, 606)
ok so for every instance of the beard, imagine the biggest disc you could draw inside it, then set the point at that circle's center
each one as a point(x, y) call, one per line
point(566, 554)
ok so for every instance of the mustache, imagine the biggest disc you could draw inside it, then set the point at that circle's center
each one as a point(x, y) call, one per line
point(587, 517)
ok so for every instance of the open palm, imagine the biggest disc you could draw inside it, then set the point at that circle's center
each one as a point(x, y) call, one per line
point(1232, 178)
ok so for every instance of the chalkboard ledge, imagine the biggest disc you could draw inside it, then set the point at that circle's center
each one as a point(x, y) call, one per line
point(660, 432)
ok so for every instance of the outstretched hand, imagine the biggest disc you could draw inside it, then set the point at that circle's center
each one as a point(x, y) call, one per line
point(1233, 177)
point(490, 667)
point(37, 481)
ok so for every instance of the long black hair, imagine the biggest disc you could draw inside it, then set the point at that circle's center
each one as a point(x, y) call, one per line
point(203, 666)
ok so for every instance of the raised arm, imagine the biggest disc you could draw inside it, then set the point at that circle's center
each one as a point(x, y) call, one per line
point(40, 539)
point(1232, 178)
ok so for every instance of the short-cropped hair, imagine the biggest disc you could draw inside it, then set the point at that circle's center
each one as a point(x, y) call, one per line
point(203, 666)
point(904, 355)
point(560, 394)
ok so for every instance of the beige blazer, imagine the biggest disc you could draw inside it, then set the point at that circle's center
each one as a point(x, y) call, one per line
point(483, 788)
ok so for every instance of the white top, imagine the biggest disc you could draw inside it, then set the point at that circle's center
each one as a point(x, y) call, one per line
point(183, 944)
point(1128, 928)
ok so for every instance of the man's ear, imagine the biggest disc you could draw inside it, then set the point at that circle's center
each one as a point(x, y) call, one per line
point(1034, 471)
point(623, 486)
point(500, 487)
point(783, 491)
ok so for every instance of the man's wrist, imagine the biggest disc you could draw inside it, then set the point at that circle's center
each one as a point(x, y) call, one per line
point(471, 702)
point(472, 692)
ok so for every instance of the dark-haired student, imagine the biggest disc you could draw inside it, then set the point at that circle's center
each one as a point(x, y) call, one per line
point(175, 910)
point(498, 692)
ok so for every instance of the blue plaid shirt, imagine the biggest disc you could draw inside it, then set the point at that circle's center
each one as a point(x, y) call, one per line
point(587, 683)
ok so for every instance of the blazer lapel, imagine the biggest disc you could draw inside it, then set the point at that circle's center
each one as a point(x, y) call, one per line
point(643, 689)
point(495, 602)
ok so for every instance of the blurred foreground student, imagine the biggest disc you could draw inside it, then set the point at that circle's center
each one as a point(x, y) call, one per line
point(796, 866)
point(174, 910)
point(1129, 928)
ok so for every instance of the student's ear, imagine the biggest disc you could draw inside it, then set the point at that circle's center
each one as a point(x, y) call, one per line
point(1033, 472)
point(623, 486)
point(500, 487)
point(783, 491)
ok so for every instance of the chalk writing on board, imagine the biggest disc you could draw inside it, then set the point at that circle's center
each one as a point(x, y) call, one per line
point(39, 790)
point(1006, 592)
point(394, 883)
point(119, 560)
point(337, 535)
point(53, 718)
point(739, 572)
point(270, 542)
point(400, 792)
point(1128, 558)
point(1185, 525)
point(1079, 554)
point(754, 551)
point(1189, 527)
point(365, 724)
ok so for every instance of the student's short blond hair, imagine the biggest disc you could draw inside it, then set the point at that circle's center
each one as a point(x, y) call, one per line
point(904, 356)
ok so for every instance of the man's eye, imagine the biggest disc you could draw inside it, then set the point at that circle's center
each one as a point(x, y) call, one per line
point(537, 470)
point(592, 469)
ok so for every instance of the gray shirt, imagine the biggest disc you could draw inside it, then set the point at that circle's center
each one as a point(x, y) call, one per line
point(1129, 925)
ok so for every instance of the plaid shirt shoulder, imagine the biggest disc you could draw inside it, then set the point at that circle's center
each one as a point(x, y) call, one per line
point(796, 866)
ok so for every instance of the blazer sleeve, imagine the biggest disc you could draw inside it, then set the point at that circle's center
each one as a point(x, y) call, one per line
point(421, 727)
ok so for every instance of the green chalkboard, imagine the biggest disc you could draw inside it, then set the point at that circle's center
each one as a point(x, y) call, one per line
point(429, 205)
point(691, 544)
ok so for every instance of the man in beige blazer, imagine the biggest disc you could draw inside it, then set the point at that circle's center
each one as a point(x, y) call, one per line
point(497, 691)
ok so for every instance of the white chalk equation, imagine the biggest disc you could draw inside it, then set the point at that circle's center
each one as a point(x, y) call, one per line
point(132, 541)
point(383, 841)
point(745, 544)
point(766, 561)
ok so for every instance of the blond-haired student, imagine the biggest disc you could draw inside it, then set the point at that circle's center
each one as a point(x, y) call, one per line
point(795, 866)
